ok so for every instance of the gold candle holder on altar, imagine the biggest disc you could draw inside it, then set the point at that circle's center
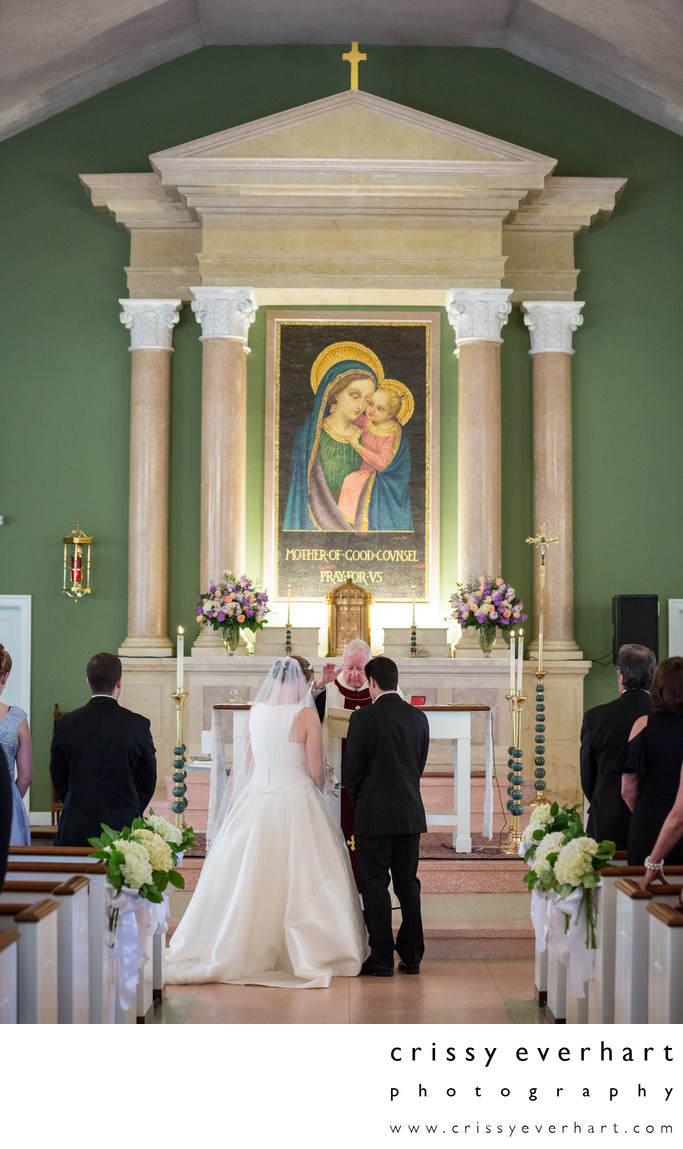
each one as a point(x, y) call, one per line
point(179, 791)
point(516, 702)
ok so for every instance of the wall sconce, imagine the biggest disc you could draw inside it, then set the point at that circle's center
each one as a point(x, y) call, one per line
point(76, 564)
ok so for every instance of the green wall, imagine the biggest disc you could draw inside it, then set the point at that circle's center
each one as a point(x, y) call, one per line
point(65, 371)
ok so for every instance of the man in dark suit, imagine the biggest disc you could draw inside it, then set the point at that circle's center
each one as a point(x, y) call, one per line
point(102, 761)
point(385, 755)
point(604, 736)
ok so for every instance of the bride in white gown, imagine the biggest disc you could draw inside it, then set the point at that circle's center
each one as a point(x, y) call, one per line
point(276, 903)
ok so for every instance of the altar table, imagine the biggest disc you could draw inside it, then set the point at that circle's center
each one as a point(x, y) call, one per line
point(447, 722)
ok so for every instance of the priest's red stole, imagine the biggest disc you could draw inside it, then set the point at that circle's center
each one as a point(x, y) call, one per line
point(353, 700)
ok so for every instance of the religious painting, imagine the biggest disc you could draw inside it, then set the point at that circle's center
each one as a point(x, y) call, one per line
point(352, 453)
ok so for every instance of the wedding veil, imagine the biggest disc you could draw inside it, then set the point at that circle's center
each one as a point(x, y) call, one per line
point(286, 684)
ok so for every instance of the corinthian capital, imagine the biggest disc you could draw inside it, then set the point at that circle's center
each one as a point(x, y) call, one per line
point(225, 312)
point(150, 322)
point(478, 314)
point(551, 324)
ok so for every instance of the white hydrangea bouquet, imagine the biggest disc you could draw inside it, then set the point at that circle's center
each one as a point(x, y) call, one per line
point(563, 859)
point(141, 857)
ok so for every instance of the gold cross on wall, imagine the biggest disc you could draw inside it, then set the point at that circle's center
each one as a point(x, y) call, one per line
point(354, 57)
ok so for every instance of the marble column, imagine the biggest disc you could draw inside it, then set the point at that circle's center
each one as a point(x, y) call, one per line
point(225, 315)
point(477, 316)
point(151, 323)
point(551, 325)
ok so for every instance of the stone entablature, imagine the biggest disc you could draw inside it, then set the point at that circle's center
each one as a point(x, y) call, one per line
point(352, 199)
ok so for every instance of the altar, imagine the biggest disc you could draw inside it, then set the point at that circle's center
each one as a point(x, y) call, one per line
point(479, 684)
point(449, 723)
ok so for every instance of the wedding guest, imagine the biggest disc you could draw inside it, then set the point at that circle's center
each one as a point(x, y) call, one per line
point(102, 760)
point(653, 764)
point(15, 739)
point(5, 814)
point(670, 833)
point(604, 735)
point(386, 753)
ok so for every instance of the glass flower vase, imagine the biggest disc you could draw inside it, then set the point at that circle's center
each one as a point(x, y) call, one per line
point(487, 640)
point(231, 639)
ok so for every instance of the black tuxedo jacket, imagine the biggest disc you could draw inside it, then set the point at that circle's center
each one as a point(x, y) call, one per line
point(385, 756)
point(604, 736)
point(103, 768)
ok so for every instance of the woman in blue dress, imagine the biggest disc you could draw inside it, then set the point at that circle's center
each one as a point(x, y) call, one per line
point(15, 739)
point(324, 455)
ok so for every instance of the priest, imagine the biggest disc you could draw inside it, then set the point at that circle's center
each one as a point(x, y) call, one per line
point(346, 689)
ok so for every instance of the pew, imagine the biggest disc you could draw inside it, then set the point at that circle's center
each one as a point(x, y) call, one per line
point(631, 964)
point(102, 969)
point(37, 966)
point(72, 939)
point(665, 981)
point(152, 974)
point(9, 975)
point(541, 962)
point(600, 987)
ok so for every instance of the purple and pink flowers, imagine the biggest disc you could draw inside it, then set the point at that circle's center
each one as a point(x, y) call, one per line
point(486, 602)
point(232, 604)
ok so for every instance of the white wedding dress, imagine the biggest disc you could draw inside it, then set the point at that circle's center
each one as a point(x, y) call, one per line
point(276, 902)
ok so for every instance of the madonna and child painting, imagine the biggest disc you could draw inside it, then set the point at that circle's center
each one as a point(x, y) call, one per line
point(350, 463)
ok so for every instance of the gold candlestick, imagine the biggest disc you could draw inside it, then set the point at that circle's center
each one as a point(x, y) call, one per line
point(541, 541)
point(516, 702)
point(179, 791)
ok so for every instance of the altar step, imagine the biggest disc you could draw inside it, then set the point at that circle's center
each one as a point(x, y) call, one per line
point(464, 927)
point(436, 790)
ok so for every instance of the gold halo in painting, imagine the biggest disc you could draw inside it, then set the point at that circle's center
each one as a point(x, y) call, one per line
point(338, 353)
point(401, 392)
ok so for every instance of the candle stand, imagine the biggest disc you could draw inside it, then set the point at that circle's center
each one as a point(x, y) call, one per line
point(516, 702)
point(539, 760)
point(179, 791)
point(413, 641)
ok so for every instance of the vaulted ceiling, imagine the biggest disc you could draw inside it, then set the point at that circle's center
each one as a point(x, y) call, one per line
point(55, 53)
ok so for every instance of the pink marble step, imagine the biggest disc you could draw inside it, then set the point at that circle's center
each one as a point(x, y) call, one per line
point(466, 941)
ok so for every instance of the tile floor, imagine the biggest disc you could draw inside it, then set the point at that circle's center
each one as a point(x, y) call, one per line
point(447, 991)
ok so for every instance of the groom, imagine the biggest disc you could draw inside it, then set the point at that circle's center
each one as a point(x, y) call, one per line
point(385, 755)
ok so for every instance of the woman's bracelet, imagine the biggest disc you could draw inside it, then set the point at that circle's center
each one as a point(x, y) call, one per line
point(650, 865)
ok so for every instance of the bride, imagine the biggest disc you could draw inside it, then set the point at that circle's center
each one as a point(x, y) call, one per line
point(276, 903)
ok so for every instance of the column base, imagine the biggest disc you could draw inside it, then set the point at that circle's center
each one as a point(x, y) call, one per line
point(562, 650)
point(146, 647)
point(208, 644)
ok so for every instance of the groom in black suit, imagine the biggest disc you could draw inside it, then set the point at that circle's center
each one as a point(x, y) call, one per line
point(102, 761)
point(385, 755)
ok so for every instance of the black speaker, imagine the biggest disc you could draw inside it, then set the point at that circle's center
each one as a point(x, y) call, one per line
point(635, 618)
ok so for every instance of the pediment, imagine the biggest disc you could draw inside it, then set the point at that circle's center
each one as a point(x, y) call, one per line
point(351, 126)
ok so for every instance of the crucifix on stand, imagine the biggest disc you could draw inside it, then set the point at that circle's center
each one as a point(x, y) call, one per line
point(354, 58)
point(541, 541)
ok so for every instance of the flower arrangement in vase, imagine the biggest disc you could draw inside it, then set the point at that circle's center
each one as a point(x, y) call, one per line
point(230, 606)
point(489, 604)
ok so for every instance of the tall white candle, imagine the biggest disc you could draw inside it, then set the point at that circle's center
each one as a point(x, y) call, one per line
point(413, 606)
point(289, 603)
point(520, 656)
point(180, 654)
point(512, 662)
